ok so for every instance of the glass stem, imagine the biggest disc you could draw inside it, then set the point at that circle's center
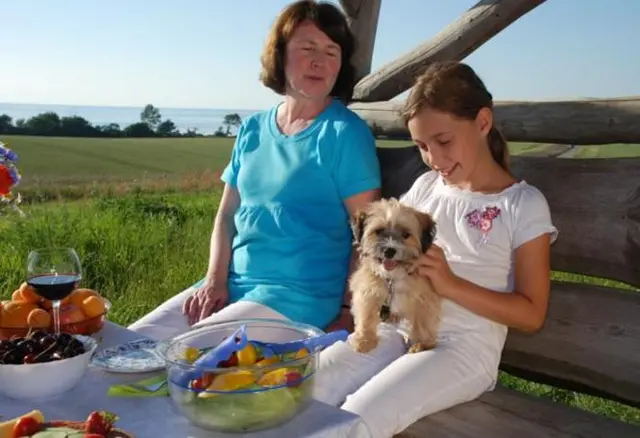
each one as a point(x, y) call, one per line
point(56, 315)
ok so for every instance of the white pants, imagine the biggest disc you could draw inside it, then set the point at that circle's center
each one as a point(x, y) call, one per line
point(386, 387)
point(390, 389)
point(167, 320)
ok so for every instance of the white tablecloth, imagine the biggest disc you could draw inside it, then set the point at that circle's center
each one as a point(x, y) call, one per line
point(156, 416)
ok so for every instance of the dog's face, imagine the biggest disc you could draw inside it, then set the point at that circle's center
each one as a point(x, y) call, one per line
point(391, 235)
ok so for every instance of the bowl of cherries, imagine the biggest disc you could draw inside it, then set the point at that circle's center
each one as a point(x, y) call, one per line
point(42, 365)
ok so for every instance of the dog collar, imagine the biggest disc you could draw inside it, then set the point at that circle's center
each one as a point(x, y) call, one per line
point(385, 310)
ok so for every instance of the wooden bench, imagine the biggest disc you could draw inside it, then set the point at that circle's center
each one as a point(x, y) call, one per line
point(591, 340)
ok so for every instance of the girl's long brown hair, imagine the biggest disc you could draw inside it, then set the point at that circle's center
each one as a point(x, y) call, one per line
point(455, 88)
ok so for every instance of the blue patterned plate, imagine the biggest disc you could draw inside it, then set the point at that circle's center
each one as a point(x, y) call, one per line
point(139, 356)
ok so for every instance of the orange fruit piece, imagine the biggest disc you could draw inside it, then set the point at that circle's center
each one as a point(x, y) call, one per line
point(275, 377)
point(39, 318)
point(17, 295)
point(70, 314)
point(93, 306)
point(29, 293)
point(16, 313)
point(78, 296)
point(229, 382)
point(248, 355)
point(268, 361)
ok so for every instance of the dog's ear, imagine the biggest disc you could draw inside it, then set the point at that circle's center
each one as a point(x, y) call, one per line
point(428, 227)
point(358, 221)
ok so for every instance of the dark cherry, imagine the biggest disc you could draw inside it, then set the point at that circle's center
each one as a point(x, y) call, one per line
point(27, 346)
point(30, 358)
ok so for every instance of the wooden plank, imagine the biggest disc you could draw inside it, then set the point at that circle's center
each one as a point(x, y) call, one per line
point(504, 413)
point(458, 40)
point(590, 343)
point(595, 203)
point(362, 16)
point(577, 122)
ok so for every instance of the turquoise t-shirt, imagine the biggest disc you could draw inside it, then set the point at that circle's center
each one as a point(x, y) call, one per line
point(293, 242)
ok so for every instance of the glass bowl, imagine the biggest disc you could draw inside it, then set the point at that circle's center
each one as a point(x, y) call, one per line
point(250, 392)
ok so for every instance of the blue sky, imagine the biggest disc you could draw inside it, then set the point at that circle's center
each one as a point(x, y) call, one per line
point(205, 53)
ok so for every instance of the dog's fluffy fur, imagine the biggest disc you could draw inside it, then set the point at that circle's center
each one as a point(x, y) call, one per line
point(391, 237)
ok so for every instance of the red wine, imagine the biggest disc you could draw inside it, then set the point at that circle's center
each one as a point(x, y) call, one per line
point(54, 287)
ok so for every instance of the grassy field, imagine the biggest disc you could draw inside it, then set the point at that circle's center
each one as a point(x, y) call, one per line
point(150, 243)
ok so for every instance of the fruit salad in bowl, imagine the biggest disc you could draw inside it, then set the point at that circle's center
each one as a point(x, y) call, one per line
point(82, 312)
point(244, 375)
point(42, 365)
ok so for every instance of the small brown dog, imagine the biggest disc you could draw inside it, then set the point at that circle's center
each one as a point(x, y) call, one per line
point(391, 237)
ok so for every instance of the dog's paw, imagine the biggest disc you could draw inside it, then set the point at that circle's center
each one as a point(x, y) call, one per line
point(363, 344)
point(420, 346)
point(394, 319)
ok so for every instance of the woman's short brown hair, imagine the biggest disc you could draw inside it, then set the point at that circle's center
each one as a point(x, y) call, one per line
point(330, 20)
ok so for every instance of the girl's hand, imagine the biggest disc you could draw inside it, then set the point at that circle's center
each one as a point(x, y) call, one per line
point(433, 265)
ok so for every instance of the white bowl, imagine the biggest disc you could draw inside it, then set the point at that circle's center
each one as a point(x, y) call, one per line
point(49, 379)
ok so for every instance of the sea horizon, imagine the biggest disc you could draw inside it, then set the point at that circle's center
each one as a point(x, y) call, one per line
point(203, 120)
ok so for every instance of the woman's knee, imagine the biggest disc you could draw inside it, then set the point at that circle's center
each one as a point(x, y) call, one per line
point(166, 320)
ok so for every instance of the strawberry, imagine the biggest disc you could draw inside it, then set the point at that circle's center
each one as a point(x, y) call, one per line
point(100, 422)
point(26, 426)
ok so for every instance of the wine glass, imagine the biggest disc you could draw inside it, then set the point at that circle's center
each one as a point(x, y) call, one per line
point(54, 274)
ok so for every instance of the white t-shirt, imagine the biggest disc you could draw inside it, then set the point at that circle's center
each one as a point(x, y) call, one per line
point(479, 234)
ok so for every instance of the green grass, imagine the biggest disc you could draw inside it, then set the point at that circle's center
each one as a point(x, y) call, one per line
point(138, 250)
point(71, 160)
point(152, 242)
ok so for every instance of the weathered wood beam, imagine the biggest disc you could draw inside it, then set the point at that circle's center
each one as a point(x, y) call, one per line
point(578, 122)
point(362, 16)
point(455, 42)
point(594, 203)
point(589, 343)
point(505, 413)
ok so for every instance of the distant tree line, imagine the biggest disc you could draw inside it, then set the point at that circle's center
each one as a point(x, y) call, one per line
point(151, 124)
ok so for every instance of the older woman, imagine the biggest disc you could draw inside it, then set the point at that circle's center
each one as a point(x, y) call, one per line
point(281, 242)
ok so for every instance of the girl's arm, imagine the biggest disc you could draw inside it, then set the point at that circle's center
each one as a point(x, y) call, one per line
point(524, 309)
point(221, 236)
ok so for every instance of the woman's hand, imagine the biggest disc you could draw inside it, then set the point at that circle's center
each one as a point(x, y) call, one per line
point(208, 299)
point(343, 321)
point(433, 265)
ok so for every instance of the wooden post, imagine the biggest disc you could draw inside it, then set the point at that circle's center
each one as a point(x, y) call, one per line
point(455, 42)
point(363, 20)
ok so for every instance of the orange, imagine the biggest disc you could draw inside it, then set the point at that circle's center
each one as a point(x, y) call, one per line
point(15, 314)
point(48, 305)
point(69, 314)
point(93, 306)
point(79, 295)
point(39, 318)
point(29, 294)
point(17, 295)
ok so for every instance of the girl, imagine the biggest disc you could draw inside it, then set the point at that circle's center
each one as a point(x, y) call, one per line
point(490, 263)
